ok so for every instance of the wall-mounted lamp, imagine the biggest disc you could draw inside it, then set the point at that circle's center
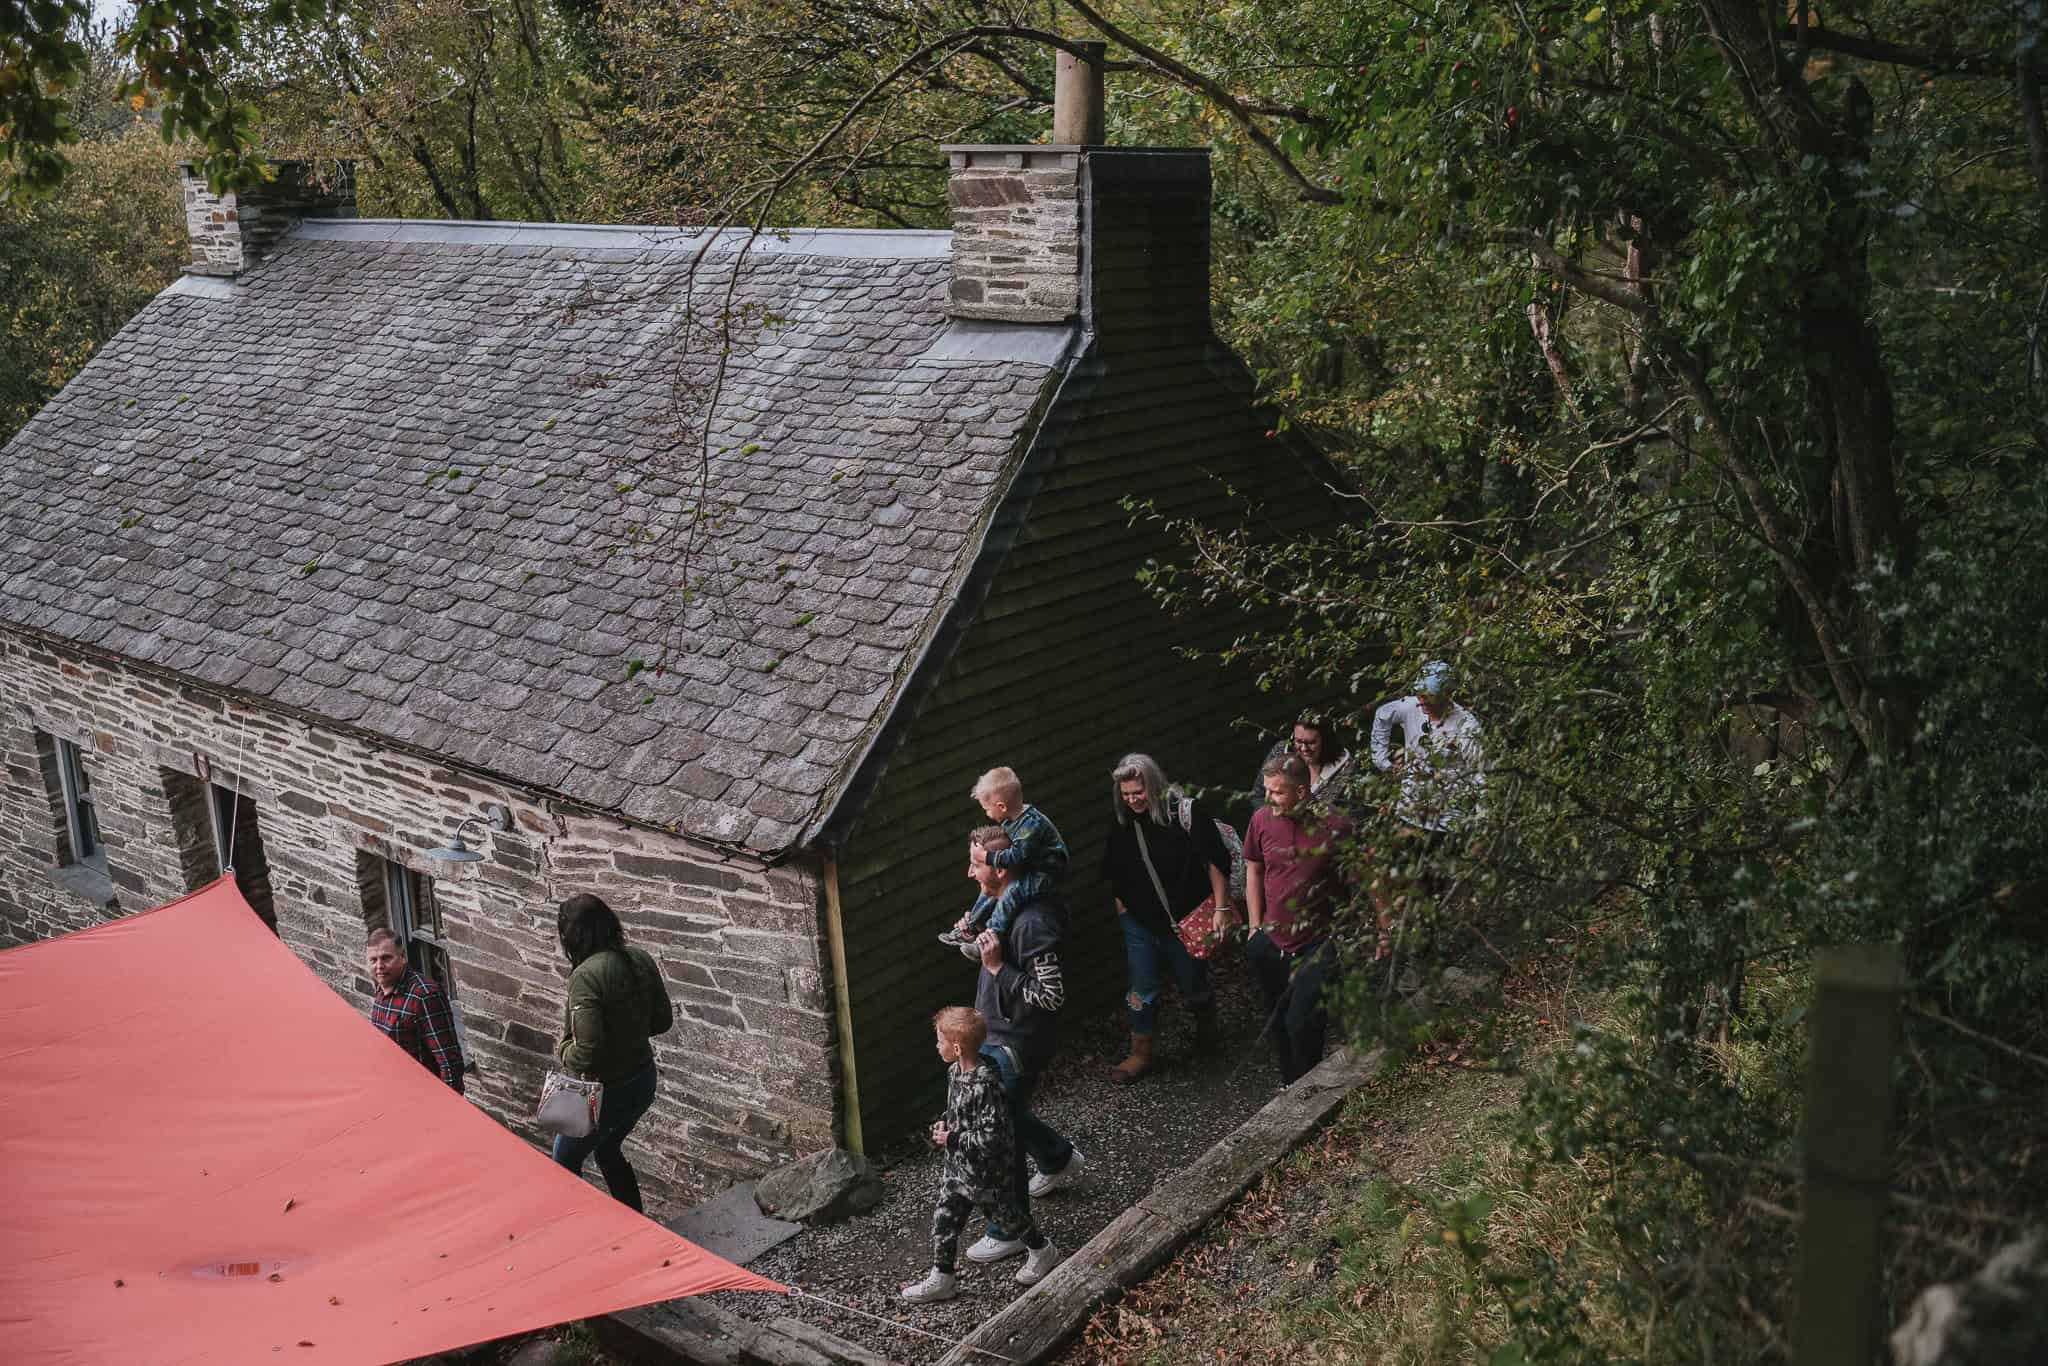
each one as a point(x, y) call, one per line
point(495, 817)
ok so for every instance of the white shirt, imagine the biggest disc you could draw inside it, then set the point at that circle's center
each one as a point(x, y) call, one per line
point(1443, 773)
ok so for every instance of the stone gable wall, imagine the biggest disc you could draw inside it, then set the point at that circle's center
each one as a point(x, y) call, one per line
point(746, 1075)
point(230, 231)
point(1016, 233)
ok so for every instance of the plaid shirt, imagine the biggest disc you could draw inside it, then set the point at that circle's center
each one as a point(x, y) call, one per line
point(415, 1014)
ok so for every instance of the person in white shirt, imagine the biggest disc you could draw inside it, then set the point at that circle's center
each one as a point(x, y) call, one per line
point(1441, 763)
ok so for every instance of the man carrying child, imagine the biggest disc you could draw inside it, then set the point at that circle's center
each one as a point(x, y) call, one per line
point(1036, 857)
point(979, 1134)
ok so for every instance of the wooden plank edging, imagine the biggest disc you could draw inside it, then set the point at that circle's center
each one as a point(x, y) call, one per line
point(1141, 1239)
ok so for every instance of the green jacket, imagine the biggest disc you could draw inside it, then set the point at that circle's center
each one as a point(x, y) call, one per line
point(617, 1001)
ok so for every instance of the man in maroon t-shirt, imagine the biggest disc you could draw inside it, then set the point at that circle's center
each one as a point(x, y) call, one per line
point(1292, 884)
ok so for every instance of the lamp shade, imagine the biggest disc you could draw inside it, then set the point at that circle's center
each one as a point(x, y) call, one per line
point(456, 852)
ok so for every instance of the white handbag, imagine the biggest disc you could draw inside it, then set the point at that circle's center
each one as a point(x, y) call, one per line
point(569, 1105)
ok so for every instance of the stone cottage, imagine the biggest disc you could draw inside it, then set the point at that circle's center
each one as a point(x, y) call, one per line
point(706, 574)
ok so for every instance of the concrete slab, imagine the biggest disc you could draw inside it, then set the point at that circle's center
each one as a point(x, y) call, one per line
point(975, 342)
point(732, 1226)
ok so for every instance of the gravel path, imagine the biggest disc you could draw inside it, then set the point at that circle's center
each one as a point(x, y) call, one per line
point(1133, 1137)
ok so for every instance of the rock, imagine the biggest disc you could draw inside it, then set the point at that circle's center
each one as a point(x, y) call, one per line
point(820, 1189)
point(542, 1352)
point(1460, 987)
point(1998, 1316)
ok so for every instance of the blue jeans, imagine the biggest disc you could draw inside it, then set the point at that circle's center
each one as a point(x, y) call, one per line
point(1148, 955)
point(1035, 1138)
point(623, 1104)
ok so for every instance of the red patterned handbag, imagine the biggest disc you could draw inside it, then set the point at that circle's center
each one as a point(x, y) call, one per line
point(1198, 930)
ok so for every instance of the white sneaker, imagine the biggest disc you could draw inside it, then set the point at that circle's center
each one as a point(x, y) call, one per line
point(937, 1285)
point(1045, 1183)
point(992, 1249)
point(1038, 1264)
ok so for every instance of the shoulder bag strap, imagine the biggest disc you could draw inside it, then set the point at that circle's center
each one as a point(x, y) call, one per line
point(1144, 853)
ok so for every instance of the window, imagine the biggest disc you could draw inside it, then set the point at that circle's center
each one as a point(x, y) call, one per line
point(81, 820)
point(238, 844)
point(398, 899)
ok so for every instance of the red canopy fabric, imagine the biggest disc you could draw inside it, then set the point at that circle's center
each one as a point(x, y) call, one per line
point(210, 1157)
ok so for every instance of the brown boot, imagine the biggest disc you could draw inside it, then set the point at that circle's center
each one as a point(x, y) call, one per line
point(1135, 1066)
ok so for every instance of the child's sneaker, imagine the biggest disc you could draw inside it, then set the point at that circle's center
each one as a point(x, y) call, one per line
point(937, 1285)
point(956, 938)
point(1038, 1264)
point(989, 1248)
point(971, 948)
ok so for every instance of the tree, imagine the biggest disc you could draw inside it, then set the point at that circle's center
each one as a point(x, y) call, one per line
point(1691, 369)
point(179, 53)
point(453, 110)
point(77, 263)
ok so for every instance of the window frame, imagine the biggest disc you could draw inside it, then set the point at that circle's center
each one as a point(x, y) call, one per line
point(223, 823)
point(81, 810)
point(416, 919)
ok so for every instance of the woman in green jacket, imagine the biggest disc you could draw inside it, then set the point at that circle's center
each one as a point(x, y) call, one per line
point(617, 1002)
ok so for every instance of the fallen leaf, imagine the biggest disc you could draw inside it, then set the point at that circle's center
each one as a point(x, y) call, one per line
point(276, 1275)
point(118, 1283)
point(289, 1203)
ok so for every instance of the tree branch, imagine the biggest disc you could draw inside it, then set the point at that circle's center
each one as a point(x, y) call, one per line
point(1223, 99)
point(1942, 61)
point(1980, 1037)
point(1546, 340)
point(2031, 116)
point(1549, 258)
point(1771, 523)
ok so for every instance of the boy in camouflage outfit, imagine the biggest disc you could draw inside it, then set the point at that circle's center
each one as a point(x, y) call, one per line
point(979, 1134)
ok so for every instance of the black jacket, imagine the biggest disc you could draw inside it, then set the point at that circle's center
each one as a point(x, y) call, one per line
point(1181, 857)
point(1021, 1000)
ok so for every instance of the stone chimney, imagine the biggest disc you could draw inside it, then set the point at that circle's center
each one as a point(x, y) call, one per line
point(233, 231)
point(1116, 238)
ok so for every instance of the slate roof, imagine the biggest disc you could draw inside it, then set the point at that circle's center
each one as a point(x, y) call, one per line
point(392, 478)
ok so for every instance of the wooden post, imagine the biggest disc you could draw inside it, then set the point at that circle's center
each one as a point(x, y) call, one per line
point(842, 1004)
point(1848, 1152)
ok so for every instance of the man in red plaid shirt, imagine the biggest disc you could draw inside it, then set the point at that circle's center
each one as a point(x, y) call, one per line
point(413, 1010)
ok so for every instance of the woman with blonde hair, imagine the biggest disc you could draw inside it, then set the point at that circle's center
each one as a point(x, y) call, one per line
point(1164, 857)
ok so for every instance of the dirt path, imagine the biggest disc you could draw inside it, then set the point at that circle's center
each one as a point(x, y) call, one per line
point(1244, 1289)
point(1132, 1137)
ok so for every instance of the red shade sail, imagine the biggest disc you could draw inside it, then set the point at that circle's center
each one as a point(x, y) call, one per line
point(210, 1157)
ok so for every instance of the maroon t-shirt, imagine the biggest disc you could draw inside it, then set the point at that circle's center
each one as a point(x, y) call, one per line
point(1299, 871)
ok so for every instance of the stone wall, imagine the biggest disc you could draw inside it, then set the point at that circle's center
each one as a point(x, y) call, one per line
point(747, 1073)
point(1016, 233)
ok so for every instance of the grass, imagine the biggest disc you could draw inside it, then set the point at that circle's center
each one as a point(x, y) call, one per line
point(1391, 1237)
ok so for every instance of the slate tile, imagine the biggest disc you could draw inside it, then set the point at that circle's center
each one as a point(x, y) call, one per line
point(454, 617)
